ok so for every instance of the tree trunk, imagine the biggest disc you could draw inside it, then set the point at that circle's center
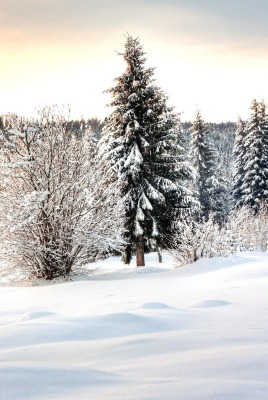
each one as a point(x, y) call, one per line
point(195, 255)
point(126, 255)
point(159, 254)
point(140, 252)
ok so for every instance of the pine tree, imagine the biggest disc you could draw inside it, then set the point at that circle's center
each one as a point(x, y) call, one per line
point(203, 156)
point(141, 141)
point(239, 152)
point(255, 181)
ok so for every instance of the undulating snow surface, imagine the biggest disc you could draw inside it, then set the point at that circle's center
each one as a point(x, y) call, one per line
point(197, 332)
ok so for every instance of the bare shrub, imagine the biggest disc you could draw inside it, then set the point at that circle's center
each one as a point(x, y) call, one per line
point(57, 210)
point(242, 231)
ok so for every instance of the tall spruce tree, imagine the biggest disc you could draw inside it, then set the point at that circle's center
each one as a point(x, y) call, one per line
point(209, 189)
point(141, 139)
point(239, 152)
point(254, 188)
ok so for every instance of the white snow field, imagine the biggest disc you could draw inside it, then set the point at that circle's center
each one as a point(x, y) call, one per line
point(196, 332)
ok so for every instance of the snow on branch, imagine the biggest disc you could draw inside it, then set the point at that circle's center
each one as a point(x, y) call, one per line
point(59, 209)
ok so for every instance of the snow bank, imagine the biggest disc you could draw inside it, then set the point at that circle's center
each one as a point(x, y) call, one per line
point(197, 332)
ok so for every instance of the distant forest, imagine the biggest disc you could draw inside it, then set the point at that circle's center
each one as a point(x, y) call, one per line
point(139, 181)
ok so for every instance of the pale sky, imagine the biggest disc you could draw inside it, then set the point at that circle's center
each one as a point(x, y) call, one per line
point(208, 53)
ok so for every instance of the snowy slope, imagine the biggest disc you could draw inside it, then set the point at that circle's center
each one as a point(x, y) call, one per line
point(197, 332)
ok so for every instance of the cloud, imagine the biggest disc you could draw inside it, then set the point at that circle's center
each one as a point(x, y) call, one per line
point(201, 48)
point(239, 23)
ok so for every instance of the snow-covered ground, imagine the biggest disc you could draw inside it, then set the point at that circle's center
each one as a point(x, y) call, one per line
point(197, 332)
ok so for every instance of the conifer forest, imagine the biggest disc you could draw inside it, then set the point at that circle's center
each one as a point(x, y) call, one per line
point(77, 191)
point(133, 200)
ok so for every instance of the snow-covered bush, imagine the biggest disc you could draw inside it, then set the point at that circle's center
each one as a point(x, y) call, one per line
point(249, 231)
point(242, 231)
point(57, 211)
point(195, 240)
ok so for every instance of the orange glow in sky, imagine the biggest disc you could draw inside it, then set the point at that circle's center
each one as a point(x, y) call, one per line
point(206, 53)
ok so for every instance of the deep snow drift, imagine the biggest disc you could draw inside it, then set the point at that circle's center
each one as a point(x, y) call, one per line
point(197, 332)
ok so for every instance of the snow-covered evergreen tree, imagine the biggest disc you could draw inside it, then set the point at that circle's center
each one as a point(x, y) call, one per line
point(210, 190)
point(239, 171)
point(141, 139)
point(254, 187)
